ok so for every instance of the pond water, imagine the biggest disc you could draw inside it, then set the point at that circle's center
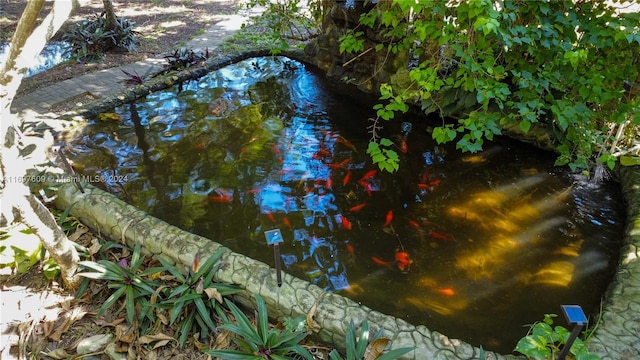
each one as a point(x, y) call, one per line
point(54, 53)
point(474, 246)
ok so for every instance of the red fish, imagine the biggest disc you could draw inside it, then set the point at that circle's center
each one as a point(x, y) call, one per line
point(200, 146)
point(414, 224)
point(403, 261)
point(435, 182)
point(388, 218)
point(438, 236)
point(425, 176)
point(381, 262)
point(346, 179)
point(328, 183)
point(345, 162)
point(446, 291)
point(368, 175)
point(286, 222)
point(346, 223)
point(424, 186)
point(403, 146)
point(270, 216)
point(324, 153)
point(357, 207)
point(351, 250)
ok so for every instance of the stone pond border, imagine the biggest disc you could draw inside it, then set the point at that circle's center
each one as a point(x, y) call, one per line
point(616, 336)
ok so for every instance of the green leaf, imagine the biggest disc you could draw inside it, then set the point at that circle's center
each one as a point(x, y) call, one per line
point(629, 160)
point(385, 142)
point(111, 300)
point(525, 125)
point(130, 304)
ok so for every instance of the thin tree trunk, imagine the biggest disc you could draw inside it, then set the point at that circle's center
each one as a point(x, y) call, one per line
point(18, 203)
point(109, 13)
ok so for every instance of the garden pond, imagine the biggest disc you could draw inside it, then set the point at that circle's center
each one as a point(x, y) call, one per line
point(474, 246)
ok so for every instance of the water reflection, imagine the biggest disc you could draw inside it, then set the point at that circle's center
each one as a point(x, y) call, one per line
point(471, 245)
point(54, 53)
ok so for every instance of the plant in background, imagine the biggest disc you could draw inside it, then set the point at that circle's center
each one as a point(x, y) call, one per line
point(184, 58)
point(125, 280)
point(572, 66)
point(366, 346)
point(260, 342)
point(544, 341)
point(196, 298)
point(284, 20)
point(91, 38)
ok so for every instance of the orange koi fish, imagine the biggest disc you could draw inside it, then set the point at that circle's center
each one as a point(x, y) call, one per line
point(324, 153)
point(414, 224)
point(446, 291)
point(345, 223)
point(200, 146)
point(328, 183)
point(403, 261)
point(347, 177)
point(424, 186)
point(381, 262)
point(435, 182)
point(388, 219)
point(357, 207)
point(368, 175)
point(403, 146)
point(438, 236)
point(286, 222)
point(350, 249)
point(425, 176)
point(270, 216)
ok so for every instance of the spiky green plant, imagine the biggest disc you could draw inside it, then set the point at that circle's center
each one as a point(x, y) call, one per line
point(357, 346)
point(126, 280)
point(260, 342)
point(194, 301)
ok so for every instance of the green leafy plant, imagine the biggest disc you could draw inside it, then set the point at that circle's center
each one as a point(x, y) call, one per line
point(260, 342)
point(197, 297)
point(125, 280)
point(90, 38)
point(364, 346)
point(544, 342)
point(570, 67)
point(283, 20)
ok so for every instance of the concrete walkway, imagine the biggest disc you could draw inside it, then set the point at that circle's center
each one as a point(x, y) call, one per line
point(106, 82)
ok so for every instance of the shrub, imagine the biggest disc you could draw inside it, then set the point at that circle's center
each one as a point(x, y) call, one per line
point(91, 38)
point(260, 342)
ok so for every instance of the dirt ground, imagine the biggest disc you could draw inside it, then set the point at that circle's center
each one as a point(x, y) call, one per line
point(40, 319)
point(163, 25)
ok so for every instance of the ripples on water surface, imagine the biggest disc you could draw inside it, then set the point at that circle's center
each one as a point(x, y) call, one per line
point(471, 245)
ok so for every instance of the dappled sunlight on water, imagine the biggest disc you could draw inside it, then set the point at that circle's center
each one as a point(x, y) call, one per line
point(471, 245)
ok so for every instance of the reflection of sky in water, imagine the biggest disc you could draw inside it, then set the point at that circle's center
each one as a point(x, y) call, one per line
point(53, 54)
